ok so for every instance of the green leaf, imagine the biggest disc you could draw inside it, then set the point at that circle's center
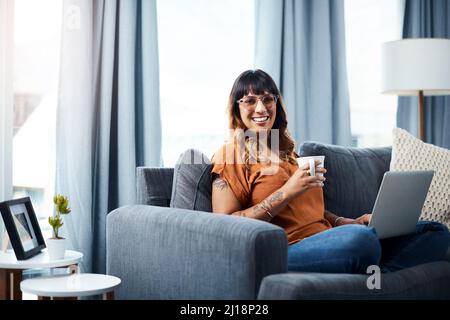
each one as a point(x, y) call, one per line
point(61, 207)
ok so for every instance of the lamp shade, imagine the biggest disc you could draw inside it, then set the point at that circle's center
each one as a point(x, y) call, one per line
point(411, 65)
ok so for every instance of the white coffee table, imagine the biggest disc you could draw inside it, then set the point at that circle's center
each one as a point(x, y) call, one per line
point(11, 269)
point(72, 285)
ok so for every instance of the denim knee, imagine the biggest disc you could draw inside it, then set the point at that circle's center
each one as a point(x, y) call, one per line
point(345, 249)
point(429, 243)
point(426, 225)
point(364, 244)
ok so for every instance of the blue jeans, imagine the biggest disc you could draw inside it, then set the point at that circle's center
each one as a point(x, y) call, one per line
point(352, 248)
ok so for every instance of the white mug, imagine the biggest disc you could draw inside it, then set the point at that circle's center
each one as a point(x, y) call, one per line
point(311, 160)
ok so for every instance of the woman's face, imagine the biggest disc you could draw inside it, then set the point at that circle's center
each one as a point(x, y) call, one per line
point(258, 111)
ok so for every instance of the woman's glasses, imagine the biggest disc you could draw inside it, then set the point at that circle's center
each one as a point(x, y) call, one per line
point(268, 100)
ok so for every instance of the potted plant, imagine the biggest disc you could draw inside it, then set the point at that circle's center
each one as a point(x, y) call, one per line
point(57, 245)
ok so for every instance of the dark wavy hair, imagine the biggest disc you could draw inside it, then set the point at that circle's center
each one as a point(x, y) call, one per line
point(259, 82)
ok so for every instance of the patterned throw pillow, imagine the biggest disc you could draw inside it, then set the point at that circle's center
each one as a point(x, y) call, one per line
point(410, 153)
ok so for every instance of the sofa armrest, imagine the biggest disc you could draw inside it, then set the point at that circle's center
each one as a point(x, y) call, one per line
point(167, 253)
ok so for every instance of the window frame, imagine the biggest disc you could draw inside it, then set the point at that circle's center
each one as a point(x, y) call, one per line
point(363, 111)
point(172, 109)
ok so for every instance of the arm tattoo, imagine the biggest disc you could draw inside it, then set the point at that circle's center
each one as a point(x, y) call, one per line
point(276, 196)
point(266, 204)
point(220, 184)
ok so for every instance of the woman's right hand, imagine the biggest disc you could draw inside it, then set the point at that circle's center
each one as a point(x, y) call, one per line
point(301, 181)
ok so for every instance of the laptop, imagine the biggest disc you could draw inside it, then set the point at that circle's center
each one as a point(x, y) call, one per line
point(399, 202)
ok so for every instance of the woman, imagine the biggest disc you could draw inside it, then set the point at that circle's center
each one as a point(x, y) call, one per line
point(257, 176)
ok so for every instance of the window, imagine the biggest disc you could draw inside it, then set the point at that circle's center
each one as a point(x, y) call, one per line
point(203, 46)
point(37, 26)
point(368, 24)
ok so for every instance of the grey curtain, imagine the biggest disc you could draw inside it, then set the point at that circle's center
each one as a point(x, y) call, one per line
point(427, 19)
point(108, 119)
point(301, 44)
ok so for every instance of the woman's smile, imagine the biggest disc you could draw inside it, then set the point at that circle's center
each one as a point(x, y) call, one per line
point(261, 120)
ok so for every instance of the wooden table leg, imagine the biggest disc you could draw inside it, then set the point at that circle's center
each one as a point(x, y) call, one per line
point(108, 295)
point(10, 284)
point(73, 268)
point(56, 298)
point(4, 285)
point(65, 298)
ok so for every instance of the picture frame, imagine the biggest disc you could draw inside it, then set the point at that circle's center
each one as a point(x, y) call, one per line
point(23, 228)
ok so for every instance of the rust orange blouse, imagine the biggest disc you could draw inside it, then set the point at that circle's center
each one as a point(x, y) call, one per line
point(301, 218)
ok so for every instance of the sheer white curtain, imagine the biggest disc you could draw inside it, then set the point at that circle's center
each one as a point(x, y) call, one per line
point(6, 101)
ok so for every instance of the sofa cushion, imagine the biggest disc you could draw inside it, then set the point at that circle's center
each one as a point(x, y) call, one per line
point(424, 281)
point(410, 153)
point(154, 186)
point(353, 176)
point(191, 187)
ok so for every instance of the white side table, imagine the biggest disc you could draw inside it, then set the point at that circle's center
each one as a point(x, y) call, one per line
point(71, 285)
point(11, 269)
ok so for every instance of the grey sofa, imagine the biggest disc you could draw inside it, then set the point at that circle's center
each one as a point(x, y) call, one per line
point(173, 253)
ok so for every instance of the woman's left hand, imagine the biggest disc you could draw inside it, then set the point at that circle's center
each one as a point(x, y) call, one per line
point(364, 219)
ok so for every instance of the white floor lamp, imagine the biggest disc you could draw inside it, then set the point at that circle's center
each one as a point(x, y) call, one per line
point(412, 67)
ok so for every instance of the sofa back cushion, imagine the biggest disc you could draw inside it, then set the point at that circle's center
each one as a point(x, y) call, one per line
point(353, 176)
point(191, 187)
point(154, 186)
